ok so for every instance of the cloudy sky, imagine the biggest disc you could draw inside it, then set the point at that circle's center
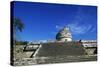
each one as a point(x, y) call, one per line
point(42, 21)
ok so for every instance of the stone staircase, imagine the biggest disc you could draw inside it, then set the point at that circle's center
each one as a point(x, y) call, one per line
point(60, 49)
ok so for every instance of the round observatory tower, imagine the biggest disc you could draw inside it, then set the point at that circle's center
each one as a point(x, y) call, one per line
point(64, 35)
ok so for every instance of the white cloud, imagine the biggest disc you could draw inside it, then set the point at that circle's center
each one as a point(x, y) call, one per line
point(80, 28)
point(77, 28)
point(58, 27)
point(93, 29)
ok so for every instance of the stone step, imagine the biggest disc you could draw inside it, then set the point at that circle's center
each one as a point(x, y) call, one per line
point(55, 49)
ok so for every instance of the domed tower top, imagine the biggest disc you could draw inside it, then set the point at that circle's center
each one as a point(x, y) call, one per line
point(64, 34)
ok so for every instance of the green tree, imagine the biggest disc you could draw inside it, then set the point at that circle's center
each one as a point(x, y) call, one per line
point(17, 26)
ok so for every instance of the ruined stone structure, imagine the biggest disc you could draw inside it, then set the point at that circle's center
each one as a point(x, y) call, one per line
point(64, 35)
point(64, 46)
point(61, 50)
point(90, 46)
